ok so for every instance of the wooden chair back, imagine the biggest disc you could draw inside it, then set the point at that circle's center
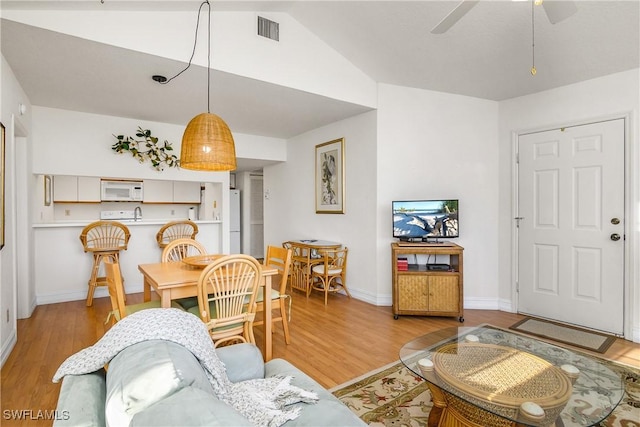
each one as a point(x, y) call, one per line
point(227, 291)
point(181, 248)
point(105, 236)
point(300, 266)
point(280, 258)
point(176, 230)
point(336, 260)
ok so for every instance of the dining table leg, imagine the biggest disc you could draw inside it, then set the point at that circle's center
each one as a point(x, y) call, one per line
point(266, 313)
point(165, 294)
point(165, 299)
point(146, 289)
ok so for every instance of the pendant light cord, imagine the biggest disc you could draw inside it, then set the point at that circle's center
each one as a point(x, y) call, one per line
point(193, 52)
point(533, 40)
point(208, 60)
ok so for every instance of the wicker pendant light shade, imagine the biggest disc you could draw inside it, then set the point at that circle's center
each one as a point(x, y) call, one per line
point(207, 145)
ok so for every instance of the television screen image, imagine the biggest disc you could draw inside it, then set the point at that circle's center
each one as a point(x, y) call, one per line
point(425, 219)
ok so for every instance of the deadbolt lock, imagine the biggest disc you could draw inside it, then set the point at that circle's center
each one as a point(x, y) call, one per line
point(615, 237)
point(615, 221)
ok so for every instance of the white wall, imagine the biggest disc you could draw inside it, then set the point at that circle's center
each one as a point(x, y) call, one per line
point(15, 256)
point(435, 145)
point(615, 95)
point(420, 144)
point(289, 213)
point(260, 147)
point(75, 143)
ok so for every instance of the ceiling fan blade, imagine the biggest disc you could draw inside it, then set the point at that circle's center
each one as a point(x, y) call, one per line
point(559, 10)
point(460, 10)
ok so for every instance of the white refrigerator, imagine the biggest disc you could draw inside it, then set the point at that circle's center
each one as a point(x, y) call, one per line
point(234, 221)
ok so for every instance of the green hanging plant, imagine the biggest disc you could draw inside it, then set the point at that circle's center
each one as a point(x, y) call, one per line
point(146, 147)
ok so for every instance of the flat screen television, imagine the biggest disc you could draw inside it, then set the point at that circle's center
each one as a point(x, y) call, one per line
point(426, 220)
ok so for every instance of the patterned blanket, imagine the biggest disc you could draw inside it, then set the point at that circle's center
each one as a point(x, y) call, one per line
point(262, 401)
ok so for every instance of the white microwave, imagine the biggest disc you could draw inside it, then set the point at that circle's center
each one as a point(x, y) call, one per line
point(121, 191)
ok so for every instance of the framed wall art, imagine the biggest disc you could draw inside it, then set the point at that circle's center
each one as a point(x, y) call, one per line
point(330, 173)
point(2, 179)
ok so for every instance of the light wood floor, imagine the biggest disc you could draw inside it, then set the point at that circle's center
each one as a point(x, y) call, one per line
point(332, 344)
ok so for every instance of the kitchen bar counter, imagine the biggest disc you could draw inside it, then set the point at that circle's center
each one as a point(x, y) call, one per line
point(62, 268)
point(128, 223)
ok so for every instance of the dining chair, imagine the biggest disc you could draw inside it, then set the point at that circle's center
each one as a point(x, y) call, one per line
point(280, 258)
point(330, 276)
point(176, 230)
point(227, 290)
point(181, 248)
point(177, 250)
point(103, 239)
point(294, 252)
point(301, 264)
point(119, 309)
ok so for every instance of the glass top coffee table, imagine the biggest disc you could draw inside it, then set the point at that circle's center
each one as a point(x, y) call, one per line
point(484, 376)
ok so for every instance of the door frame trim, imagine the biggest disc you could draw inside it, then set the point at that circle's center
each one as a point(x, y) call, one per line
point(631, 272)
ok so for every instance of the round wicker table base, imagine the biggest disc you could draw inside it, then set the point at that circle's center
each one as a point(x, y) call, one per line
point(451, 411)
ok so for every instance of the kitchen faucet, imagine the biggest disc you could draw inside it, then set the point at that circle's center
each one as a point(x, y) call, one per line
point(137, 213)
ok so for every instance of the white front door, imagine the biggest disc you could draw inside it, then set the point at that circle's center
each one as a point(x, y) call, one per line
point(571, 231)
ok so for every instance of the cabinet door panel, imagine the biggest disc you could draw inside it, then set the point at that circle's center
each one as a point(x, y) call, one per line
point(444, 293)
point(88, 189)
point(413, 292)
point(65, 188)
point(156, 191)
point(186, 192)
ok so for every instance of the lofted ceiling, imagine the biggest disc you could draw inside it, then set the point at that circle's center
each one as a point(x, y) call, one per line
point(486, 54)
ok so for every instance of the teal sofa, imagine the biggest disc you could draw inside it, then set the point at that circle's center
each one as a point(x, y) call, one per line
point(161, 383)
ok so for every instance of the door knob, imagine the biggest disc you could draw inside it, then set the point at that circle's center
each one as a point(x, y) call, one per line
point(615, 237)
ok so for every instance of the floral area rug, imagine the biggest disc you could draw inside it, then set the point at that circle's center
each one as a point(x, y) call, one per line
point(395, 396)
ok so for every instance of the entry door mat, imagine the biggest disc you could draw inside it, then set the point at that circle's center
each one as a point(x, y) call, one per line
point(566, 334)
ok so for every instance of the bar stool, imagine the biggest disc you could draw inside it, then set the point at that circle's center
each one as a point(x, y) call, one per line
point(183, 229)
point(103, 239)
point(302, 261)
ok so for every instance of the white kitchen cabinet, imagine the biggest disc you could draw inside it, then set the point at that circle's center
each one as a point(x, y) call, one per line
point(88, 189)
point(76, 189)
point(156, 191)
point(65, 188)
point(186, 192)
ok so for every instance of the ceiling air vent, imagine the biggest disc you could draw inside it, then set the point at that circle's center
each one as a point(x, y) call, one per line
point(268, 29)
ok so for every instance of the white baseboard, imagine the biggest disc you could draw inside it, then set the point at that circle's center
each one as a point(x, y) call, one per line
point(101, 292)
point(481, 304)
point(8, 346)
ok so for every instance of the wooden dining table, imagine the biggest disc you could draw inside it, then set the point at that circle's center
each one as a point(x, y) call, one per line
point(173, 280)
